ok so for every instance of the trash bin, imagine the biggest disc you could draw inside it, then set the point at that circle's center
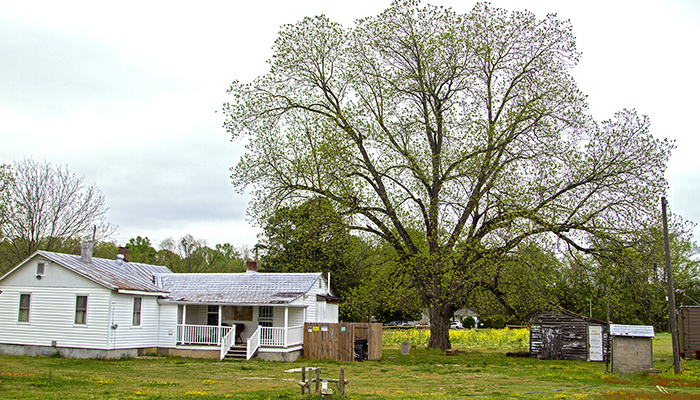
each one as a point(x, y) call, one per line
point(360, 349)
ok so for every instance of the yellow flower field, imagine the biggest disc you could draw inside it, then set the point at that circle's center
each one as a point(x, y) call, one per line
point(515, 339)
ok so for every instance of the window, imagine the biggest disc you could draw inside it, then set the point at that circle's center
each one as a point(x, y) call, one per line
point(237, 313)
point(81, 310)
point(40, 268)
point(24, 301)
point(136, 319)
point(265, 316)
point(213, 315)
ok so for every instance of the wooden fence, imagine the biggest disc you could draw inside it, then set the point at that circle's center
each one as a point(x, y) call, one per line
point(324, 341)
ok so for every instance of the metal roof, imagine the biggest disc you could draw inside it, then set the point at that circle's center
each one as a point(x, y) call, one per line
point(232, 288)
point(113, 274)
point(237, 288)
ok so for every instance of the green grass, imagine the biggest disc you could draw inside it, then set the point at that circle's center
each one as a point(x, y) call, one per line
point(476, 372)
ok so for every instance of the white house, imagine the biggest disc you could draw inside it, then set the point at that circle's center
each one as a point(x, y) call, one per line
point(85, 307)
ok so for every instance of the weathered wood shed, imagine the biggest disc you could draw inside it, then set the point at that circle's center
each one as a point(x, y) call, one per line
point(689, 330)
point(560, 334)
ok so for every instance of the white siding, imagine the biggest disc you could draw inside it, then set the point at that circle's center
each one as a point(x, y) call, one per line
point(278, 316)
point(167, 328)
point(310, 301)
point(127, 336)
point(52, 316)
point(296, 316)
point(54, 276)
point(195, 315)
point(331, 312)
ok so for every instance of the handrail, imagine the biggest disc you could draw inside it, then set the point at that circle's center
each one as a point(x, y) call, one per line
point(253, 343)
point(227, 342)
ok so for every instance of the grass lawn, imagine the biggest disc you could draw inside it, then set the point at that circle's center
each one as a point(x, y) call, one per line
point(478, 371)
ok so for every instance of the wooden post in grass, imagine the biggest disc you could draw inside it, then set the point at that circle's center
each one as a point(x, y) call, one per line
point(303, 378)
point(308, 387)
point(318, 379)
point(341, 381)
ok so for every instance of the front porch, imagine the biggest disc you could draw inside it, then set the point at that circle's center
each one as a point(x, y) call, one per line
point(264, 329)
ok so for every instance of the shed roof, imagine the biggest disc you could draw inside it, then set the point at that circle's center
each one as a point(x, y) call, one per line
point(556, 312)
point(237, 288)
point(112, 274)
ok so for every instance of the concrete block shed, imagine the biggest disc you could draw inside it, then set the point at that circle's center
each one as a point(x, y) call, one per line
point(689, 331)
point(632, 349)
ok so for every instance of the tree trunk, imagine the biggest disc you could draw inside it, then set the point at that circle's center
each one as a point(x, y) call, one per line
point(440, 326)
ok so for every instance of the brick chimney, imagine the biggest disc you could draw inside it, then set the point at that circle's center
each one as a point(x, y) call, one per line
point(124, 251)
point(251, 266)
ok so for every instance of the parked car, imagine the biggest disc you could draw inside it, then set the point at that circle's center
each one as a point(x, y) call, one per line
point(456, 325)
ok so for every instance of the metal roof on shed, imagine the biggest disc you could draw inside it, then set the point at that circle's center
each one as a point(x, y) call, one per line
point(113, 274)
point(237, 288)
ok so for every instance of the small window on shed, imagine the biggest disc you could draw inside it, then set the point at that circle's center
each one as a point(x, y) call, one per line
point(40, 267)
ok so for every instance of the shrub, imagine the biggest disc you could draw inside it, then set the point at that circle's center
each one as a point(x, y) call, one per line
point(498, 321)
point(469, 322)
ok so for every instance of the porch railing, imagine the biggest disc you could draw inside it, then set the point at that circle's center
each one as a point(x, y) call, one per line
point(202, 334)
point(253, 343)
point(227, 342)
point(295, 335)
point(281, 337)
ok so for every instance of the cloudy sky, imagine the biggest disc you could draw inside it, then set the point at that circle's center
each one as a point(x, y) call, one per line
point(125, 93)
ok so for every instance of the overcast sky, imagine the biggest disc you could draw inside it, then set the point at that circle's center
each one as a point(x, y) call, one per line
point(125, 93)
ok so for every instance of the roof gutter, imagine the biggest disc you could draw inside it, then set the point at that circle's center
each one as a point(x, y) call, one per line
point(200, 303)
point(142, 293)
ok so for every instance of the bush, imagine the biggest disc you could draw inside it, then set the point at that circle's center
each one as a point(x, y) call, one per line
point(498, 321)
point(469, 322)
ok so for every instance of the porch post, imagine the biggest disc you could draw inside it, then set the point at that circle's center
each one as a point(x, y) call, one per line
point(182, 330)
point(286, 325)
point(219, 328)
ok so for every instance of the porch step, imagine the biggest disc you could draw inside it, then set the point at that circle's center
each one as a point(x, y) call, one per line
point(236, 353)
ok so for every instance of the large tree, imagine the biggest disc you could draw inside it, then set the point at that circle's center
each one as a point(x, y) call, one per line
point(48, 207)
point(453, 137)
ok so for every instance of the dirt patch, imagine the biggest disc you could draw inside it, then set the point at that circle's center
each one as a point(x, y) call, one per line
point(662, 381)
point(650, 396)
point(614, 380)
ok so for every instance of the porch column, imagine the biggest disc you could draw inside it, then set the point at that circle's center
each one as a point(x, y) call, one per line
point(286, 325)
point(219, 336)
point(182, 330)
